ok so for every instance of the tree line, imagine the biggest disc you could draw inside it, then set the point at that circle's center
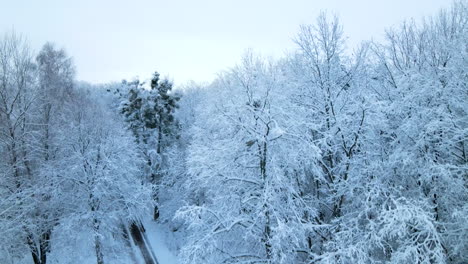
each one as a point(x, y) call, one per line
point(68, 165)
point(332, 156)
point(323, 156)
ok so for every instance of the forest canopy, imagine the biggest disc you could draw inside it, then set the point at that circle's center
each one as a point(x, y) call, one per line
point(327, 155)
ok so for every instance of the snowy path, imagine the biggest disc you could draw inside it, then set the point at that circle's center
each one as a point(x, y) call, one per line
point(157, 239)
point(141, 241)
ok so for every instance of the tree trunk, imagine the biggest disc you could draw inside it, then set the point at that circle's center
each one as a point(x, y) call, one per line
point(158, 149)
point(156, 198)
point(156, 181)
point(263, 172)
point(44, 246)
point(155, 213)
point(33, 248)
point(97, 242)
point(267, 235)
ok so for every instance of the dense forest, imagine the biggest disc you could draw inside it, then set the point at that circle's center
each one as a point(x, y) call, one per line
point(327, 155)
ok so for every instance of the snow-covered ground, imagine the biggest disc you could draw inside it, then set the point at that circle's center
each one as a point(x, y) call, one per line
point(80, 249)
point(158, 235)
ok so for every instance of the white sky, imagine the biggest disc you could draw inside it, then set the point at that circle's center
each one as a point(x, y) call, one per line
point(188, 40)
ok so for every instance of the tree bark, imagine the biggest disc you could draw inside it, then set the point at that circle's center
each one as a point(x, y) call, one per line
point(34, 252)
point(97, 242)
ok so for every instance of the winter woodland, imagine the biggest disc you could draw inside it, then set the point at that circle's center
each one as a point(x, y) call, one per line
point(327, 155)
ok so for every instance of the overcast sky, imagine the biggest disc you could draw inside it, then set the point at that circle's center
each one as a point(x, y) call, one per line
point(188, 40)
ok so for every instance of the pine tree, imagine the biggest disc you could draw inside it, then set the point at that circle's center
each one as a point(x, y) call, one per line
point(150, 116)
point(131, 108)
point(159, 116)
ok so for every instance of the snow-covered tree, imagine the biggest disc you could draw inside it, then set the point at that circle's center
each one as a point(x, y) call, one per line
point(18, 94)
point(248, 161)
point(150, 115)
point(323, 156)
point(409, 191)
point(381, 172)
point(101, 184)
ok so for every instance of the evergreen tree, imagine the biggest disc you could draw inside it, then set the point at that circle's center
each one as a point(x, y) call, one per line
point(159, 115)
point(150, 115)
point(131, 108)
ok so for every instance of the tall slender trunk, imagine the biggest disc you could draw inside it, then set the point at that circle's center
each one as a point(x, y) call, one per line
point(263, 172)
point(44, 239)
point(158, 149)
point(267, 233)
point(97, 242)
point(156, 194)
